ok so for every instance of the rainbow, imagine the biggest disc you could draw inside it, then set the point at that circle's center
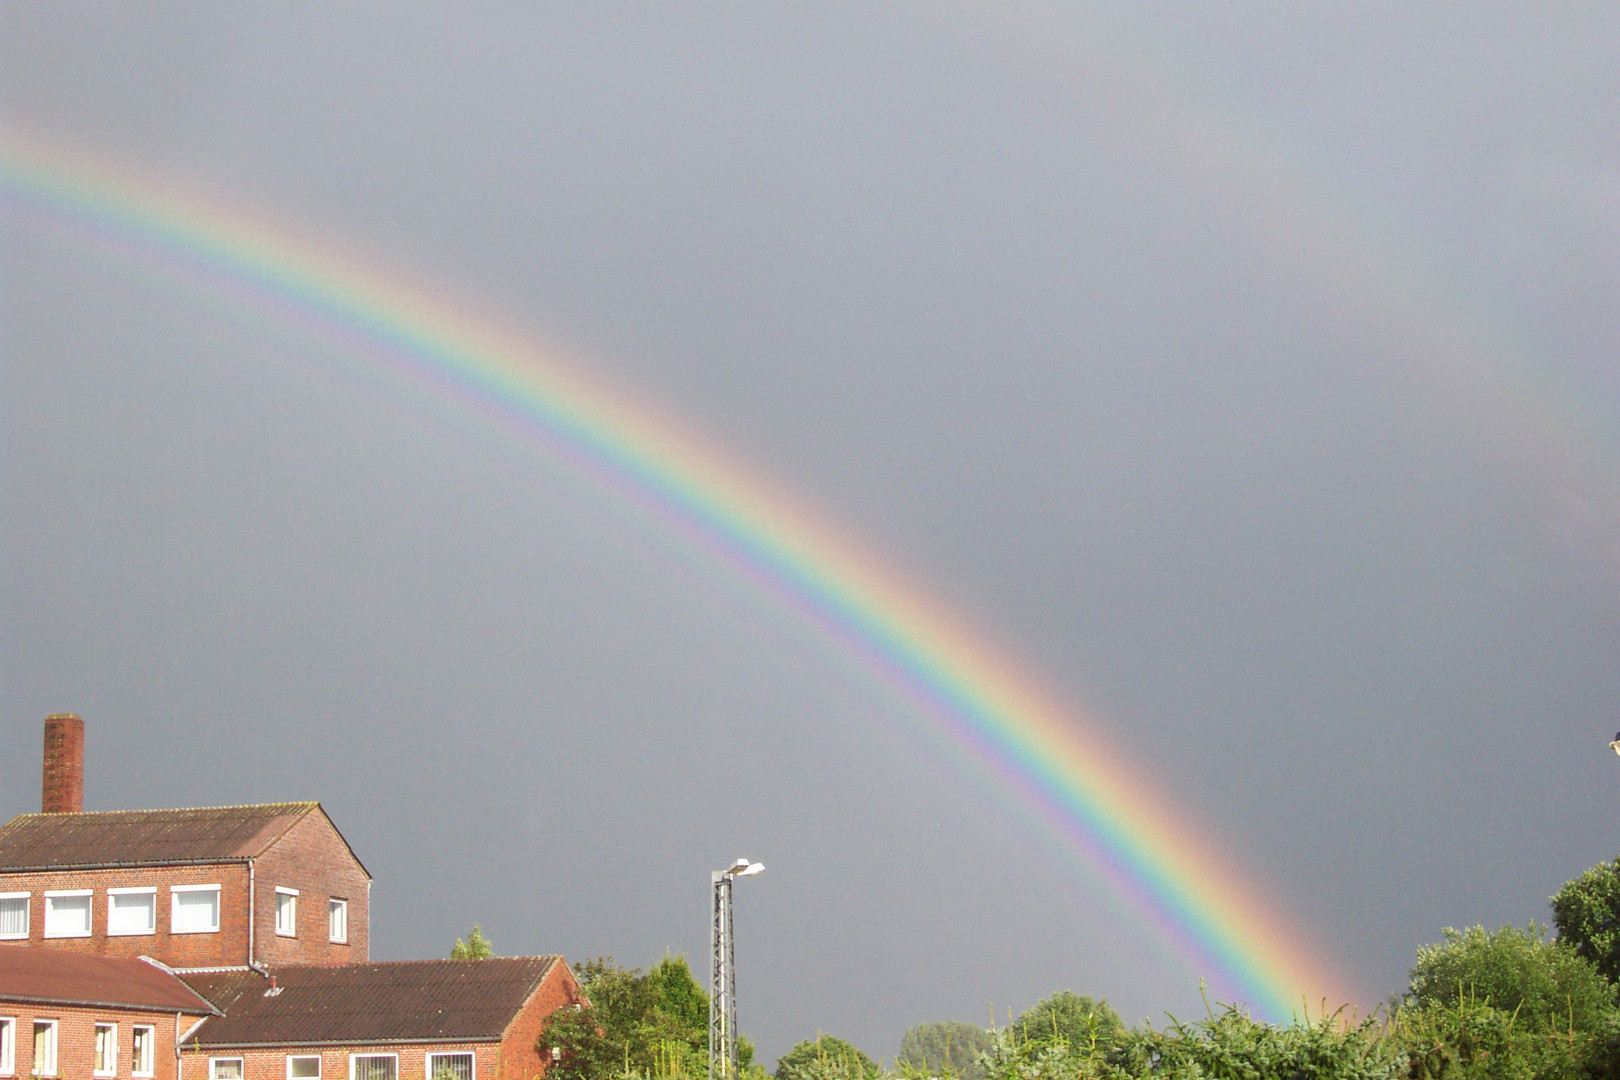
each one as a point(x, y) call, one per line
point(434, 349)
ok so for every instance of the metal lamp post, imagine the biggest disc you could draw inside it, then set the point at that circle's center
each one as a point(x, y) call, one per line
point(722, 972)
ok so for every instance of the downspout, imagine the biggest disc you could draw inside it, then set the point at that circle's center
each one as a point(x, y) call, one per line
point(253, 918)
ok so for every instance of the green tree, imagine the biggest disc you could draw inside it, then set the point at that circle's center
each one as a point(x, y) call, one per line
point(1544, 983)
point(476, 947)
point(1227, 1046)
point(825, 1057)
point(651, 1025)
point(946, 1048)
point(1586, 912)
point(1071, 1018)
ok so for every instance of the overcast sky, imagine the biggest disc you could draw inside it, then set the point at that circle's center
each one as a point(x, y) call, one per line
point(1248, 371)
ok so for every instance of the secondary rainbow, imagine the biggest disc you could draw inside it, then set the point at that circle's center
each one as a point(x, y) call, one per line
point(430, 347)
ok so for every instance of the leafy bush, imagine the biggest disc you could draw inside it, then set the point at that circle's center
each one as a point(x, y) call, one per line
point(825, 1058)
point(1229, 1045)
point(949, 1048)
point(1544, 983)
point(1071, 1018)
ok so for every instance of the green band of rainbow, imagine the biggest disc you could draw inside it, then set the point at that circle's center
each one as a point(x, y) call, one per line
point(991, 712)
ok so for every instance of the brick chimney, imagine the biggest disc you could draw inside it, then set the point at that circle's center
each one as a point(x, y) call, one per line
point(62, 790)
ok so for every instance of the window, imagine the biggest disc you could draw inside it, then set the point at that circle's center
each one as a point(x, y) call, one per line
point(286, 912)
point(8, 1045)
point(142, 1049)
point(132, 911)
point(373, 1066)
point(13, 914)
point(450, 1067)
point(224, 1069)
point(44, 1047)
point(67, 913)
point(195, 911)
point(304, 1067)
point(106, 1060)
point(337, 920)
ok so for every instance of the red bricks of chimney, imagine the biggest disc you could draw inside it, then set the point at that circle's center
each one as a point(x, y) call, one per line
point(62, 790)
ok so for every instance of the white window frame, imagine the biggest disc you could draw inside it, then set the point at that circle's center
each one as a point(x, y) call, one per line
point(66, 894)
point(214, 1062)
point(292, 908)
point(26, 898)
point(174, 914)
point(55, 1045)
point(335, 904)
point(111, 1056)
point(427, 1061)
point(137, 890)
point(355, 1057)
point(8, 1046)
point(304, 1057)
point(144, 1052)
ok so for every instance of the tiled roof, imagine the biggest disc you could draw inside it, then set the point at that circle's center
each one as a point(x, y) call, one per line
point(64, 978)
point(144, 837)
point(407, 1001)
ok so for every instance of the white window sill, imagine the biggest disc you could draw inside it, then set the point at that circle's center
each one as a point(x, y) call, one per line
point(127, 933)
point(209, 930)
point(59, 934)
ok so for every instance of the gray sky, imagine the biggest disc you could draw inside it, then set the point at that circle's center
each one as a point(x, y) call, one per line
point(1248, 372)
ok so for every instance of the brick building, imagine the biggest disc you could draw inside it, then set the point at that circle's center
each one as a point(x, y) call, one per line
point(92, 1016)
point(257, 919)
point(413, 1020)
point(228, 886)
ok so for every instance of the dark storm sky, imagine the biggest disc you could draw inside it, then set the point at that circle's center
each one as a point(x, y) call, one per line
point(1249, 374)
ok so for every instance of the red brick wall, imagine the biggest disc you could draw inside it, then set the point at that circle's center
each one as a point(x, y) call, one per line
point(521, 1057)
point(225, 948)
point(261, 1064)
point(312, 858)
point(76, 1040)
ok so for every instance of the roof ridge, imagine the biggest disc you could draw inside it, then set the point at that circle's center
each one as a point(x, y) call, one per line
point(408, 963)
point(305, 804)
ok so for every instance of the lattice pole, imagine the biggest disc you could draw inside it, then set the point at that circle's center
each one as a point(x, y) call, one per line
point(722, 992)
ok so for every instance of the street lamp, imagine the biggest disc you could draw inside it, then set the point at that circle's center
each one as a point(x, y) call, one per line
point(722, 972)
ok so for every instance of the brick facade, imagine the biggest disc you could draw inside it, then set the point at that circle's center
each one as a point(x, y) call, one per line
point(411, 1060)
point(226, 947)
point(76, 1038)
point(521, 1052)
point(314, 859)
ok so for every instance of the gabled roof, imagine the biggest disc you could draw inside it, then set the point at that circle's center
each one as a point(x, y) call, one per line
point(397, 1002)
point(145, 837)
point(51, 976)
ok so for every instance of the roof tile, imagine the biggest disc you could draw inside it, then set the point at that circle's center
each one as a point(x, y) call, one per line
point(144, 837)
point(58, 977)
point(440, 1000)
